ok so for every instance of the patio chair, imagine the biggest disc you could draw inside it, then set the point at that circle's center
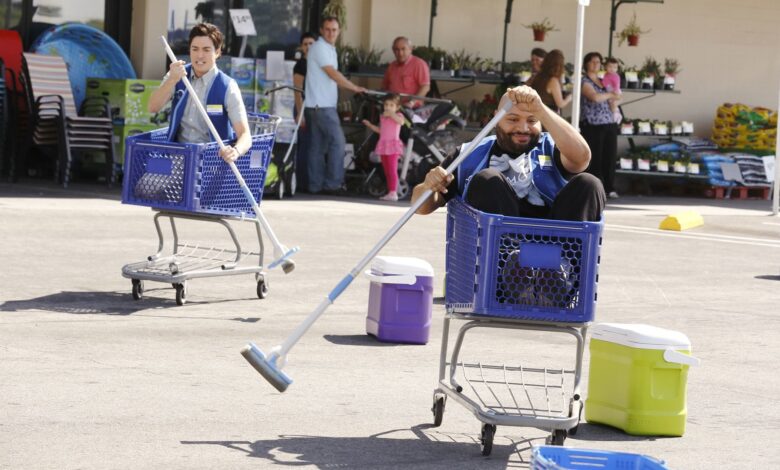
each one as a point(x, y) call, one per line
point(55, 122)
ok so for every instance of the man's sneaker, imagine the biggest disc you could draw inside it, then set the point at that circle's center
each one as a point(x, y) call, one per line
point(334, 192)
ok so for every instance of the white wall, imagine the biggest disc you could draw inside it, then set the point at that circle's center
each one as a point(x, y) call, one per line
point(728, 49)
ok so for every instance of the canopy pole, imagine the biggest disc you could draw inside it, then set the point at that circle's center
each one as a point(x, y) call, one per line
point(430, 24)
point(507, 20)
point(776, 183)
point(575, 105)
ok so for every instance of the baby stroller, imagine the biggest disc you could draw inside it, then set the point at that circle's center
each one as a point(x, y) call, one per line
point(280, 178)
point(430, 138)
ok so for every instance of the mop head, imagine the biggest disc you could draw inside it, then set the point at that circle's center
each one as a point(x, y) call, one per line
point(287, 265)
point(268, 370)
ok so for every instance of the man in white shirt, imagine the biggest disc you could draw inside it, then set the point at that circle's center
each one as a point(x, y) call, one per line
point(326, 144)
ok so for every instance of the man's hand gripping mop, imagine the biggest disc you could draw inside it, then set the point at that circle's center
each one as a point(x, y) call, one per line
point(270, 367)
point(281, 252)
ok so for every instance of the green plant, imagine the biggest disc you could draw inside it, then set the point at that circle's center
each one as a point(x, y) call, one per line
point(425, 53)
point(337, 9)
point(544, 26)
point(651, 67)
point(671, 67)
point(518, 67)
point(631, 29)
point(459, 60)
point(347, 57)
point(370, 56)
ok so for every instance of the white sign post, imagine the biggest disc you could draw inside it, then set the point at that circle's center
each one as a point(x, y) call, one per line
point(243, 25)
point(776, 183)
point(577, 91)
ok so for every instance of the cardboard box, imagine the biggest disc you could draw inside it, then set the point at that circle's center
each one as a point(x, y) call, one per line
point(243, 72)
point(128, 99)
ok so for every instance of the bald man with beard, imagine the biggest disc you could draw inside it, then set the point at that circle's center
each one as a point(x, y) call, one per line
point(522, 171)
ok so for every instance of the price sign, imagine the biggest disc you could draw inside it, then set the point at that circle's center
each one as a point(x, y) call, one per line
point(242, 22)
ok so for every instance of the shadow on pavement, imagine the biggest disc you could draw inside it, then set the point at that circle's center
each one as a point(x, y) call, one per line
point(430, 449)
point(598, 432)
point(356, 340)
point(768, 277)
point(103, 303)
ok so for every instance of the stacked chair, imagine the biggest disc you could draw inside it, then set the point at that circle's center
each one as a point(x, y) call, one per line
point(55, 122)
point(4, 152)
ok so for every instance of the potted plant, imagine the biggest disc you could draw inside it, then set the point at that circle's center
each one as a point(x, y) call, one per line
point(459, 62)
point(631, 32)
point(347, 58)
point(632, 77)
point(368, 60)
point(652, 72)
point(671, 69)
point(540, 28)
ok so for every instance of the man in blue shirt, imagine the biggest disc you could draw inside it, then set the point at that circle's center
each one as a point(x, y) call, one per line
point(326, 144)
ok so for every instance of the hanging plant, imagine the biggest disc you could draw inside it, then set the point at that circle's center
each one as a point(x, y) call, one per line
point(631, 33)
point(540, 28)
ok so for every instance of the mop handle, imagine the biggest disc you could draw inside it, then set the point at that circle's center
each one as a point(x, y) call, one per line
point(344, 283)
point(232, 165)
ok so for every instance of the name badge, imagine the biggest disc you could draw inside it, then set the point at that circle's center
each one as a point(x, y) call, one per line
point(545, 161)
point(214, 109)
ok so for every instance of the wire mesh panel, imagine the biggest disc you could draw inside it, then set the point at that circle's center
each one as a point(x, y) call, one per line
point(193, 177)
point(534, 269)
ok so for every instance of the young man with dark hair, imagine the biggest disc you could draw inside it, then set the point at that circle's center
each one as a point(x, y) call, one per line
point(218, 93)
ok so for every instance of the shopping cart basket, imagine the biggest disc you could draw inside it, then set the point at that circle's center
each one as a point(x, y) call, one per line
point(520, 274)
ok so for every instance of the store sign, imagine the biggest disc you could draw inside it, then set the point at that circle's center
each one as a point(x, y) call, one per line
point(242, 22)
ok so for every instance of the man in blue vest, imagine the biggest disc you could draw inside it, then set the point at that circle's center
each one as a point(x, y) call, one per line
point(522, 171)
point(218, 93)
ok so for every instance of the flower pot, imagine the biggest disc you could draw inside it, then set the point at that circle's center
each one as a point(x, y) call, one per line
point(648, 83)
point(633, 40)
point(669, 82)
point(538, 35)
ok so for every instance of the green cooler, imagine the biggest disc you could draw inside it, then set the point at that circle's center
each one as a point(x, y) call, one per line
point(638, 379)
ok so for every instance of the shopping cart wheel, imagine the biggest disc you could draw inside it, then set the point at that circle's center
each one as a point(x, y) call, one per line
point(486, 440)
point(556, 438)
point(181, 294)
point(281, 188)
point(262, 288)
point(138, 289)
point(403, 189)
point(438, 409)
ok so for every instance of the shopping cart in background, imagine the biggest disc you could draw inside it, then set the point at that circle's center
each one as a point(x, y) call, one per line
point(516, 273)
point(191, 182)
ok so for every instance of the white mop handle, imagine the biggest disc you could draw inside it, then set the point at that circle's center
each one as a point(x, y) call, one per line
point(296, 335)
point(196, 100)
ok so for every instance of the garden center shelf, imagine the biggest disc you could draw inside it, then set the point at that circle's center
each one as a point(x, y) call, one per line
point(662, 174)
point(646, 91)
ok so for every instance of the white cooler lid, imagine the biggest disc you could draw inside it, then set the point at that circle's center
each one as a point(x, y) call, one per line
point(640, 336)
point(401, 265)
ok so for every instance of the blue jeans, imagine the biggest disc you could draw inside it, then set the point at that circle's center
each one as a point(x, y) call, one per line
point(326, 149)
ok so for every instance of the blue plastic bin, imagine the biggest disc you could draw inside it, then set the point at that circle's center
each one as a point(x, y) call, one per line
point(193, 177)
point(567, 458)
point(531, 269)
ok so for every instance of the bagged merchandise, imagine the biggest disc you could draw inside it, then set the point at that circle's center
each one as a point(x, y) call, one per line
point(740, 126)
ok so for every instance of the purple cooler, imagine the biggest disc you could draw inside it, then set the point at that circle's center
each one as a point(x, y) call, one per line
point(400, 299)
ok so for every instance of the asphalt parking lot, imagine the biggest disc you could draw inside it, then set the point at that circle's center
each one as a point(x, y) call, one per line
point(94, 379)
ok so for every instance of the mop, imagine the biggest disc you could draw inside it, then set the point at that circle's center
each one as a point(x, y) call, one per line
point(270, 367)
point(281, 252)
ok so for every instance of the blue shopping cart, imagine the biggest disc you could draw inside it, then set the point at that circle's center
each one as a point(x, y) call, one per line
point(520, 274)
point(192, 182)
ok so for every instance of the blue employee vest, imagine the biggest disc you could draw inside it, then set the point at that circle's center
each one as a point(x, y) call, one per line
point(215, 95)
point(546, 177)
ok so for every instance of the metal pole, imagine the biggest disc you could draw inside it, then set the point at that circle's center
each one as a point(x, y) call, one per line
point(776, 188)
point(612, 26)
point(507, 20)
point(430, 25)
point(575, 105)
